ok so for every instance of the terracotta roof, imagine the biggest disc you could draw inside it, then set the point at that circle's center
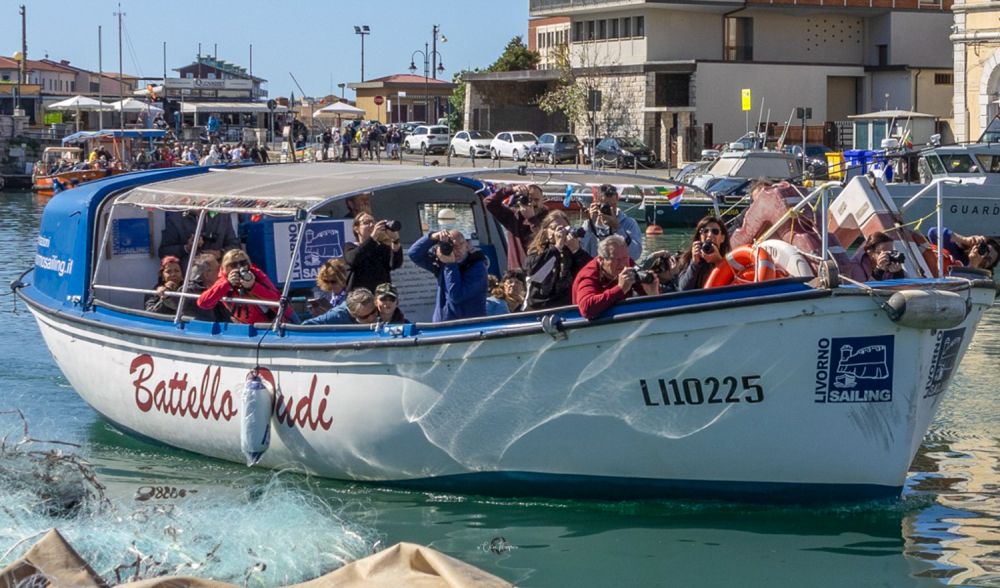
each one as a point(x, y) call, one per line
point(406, 79)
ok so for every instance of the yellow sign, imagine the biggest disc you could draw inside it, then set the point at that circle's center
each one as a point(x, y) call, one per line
point(746, 98)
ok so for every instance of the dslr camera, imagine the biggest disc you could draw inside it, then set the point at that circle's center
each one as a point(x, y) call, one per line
point(245, 274)
point(707, 247)
point(522, 199)
point(643, 276)
point(393, 225)
point(982, 249)
point(446, 247)
point(896, 257)
point(578, 232)
point(606, 209)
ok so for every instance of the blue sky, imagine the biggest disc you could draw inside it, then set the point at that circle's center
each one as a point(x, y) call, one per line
point(315, 41)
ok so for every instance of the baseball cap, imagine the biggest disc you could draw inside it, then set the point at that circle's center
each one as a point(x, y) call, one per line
point(386, 289)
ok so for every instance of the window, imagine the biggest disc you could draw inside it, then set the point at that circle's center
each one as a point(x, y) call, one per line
point(578, 31)
point(613, 31)
point(626, 27)
point(640, 26)
point(943, 79)
point(739, 39)
point(602, 29)
point(935, 164)
point(6, 77)
point(591, 30)
point(540, 40)
point(883, 54)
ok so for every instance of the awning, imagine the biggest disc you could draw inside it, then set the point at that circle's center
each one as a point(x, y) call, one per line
point(283, 190)
point(84, 136)
point(227, 107)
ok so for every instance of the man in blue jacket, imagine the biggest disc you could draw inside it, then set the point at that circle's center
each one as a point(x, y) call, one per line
point(460, 273)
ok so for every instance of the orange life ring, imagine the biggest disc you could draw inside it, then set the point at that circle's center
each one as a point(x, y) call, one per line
point(743, 264)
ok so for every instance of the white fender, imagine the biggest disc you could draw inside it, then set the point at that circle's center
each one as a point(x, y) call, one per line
point(255, 425)
point(787, 257)
point(928, 309)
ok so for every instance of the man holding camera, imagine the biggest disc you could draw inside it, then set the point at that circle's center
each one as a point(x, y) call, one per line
point(357, 309)
point(460, 273)
point(880, 260)
point(177, 238)
point(607, 219)
point(521, 217)
point(610, 278)
point(376, 253)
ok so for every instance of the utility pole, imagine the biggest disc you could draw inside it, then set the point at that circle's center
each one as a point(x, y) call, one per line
point(434, 46)
point(100, 76)
point(121, 69)
point(22, 67)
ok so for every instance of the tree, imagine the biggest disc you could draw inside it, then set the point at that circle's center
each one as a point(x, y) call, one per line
point(456, 116)
point(515, 57)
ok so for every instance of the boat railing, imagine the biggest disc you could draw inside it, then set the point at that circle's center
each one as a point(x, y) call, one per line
point(186, 295)
point(936, 185)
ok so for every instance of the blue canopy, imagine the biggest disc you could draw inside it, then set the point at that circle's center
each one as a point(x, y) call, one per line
point(84, 136)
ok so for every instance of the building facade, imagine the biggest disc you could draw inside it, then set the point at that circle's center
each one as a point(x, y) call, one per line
point(674, 72)
point(976, 38)
point(405, 98)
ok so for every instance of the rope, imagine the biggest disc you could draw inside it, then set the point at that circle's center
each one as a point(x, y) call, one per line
point(916, 223)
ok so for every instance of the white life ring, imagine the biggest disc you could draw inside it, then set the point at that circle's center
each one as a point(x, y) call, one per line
point(787, 257)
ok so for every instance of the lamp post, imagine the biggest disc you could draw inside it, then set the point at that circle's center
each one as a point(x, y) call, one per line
point(341, 86)
point(362, 30)
point(426, 53)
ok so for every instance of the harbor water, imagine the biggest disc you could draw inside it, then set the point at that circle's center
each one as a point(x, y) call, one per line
point(165, 510)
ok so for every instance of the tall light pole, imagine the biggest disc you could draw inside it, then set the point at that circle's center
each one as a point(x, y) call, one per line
point(121, 74)
point(362, 30)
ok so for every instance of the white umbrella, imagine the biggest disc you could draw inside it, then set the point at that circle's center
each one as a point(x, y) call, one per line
point(340, 109)
point(78, 103)
point(133, 105)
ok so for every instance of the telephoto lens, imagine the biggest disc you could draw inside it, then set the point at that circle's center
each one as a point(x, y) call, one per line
point(707, 247)
point(445, 247)
point(393, 225)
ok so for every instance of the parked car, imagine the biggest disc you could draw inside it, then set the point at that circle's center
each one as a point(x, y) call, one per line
point(556, 148)
point(409, 126)
point(471, 143)
point(427, 139)
point(512, 144)
point(624, 152)
point(816, 164)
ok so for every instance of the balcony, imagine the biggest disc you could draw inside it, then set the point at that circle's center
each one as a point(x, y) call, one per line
point(558, 7)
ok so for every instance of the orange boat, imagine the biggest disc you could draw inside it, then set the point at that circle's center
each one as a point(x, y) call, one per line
point(62, 168)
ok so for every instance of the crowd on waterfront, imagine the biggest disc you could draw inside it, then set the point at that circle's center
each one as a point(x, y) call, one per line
point(550, 264)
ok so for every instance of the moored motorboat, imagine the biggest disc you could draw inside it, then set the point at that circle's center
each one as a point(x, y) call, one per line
point(664, 395)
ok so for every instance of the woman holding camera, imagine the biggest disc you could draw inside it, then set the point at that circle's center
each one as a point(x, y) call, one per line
point(880, 260)
point(171, 278)
point(554, 258)
point(376, 253)
point(238, 278)
point(709, 247)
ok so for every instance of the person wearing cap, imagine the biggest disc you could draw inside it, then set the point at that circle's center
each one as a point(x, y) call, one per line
point(460, 273)
point(358, 309)
point(611, 221)
point(387, 302)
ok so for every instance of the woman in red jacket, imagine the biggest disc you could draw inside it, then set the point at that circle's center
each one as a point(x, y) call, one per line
point(238, 278)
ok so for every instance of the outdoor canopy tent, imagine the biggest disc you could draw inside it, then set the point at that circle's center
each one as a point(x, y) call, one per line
point(340, 109)
point(133, 105)
point(78, 103)
point(226, 107)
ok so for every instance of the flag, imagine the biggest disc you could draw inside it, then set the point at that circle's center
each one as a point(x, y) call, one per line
point(569, 196)
point(673, 197)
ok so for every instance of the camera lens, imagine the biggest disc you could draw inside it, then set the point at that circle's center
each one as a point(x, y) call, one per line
point(246, 274)
point(645, 277)
point(523, 200)
point(393, 225)
point(606, 209)
point(896, 257)
point(982, 249)
point(579, 232)
point(446, 248)
point(707, 247)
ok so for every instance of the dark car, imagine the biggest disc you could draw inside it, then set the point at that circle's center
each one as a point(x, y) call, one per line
point(624, 152)
point(556, 148)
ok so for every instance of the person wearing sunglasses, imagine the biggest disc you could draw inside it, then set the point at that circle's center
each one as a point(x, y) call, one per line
point(239, 278)
point(358, 309)
point(709, 247)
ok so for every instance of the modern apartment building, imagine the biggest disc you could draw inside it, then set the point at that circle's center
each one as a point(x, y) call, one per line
point(672, 71)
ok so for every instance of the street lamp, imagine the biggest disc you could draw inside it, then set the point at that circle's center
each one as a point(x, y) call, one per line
point(341, 86)
point(426, 54)
point(362, 30)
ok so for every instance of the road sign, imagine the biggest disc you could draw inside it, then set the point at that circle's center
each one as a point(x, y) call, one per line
point(746, 99)
point(594, 101)
point(379, 100)
point(271, 104)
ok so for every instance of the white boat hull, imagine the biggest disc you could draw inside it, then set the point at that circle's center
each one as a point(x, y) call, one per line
point(729, 400)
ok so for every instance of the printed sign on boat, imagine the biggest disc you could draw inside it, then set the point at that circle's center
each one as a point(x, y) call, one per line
point(854, 369)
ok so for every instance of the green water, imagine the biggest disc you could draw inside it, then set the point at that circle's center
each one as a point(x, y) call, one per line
point(944, 530)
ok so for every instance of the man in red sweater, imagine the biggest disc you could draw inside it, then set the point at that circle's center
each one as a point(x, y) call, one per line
point(608, 279)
